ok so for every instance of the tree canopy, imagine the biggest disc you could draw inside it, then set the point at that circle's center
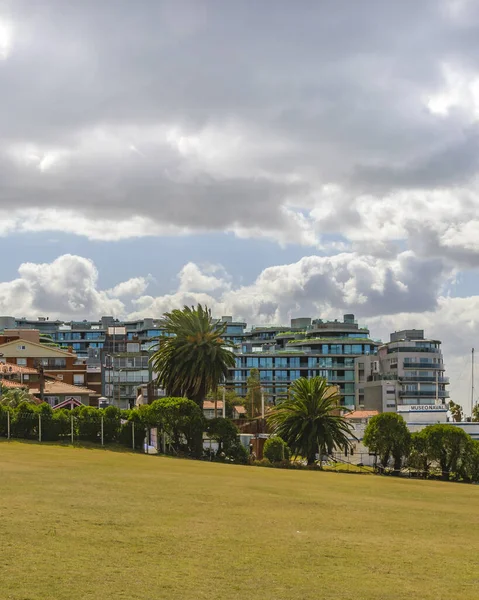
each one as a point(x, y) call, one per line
point(387, 436)
point(309, 421)
point(192, 357)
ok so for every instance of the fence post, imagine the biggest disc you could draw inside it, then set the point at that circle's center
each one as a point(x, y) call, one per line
point(72, 429)
point(39, 427)
point(8, 424)
point(133, 434)
point(101, 428)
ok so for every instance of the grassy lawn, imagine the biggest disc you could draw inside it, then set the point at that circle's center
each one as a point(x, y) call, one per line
point(78, 524)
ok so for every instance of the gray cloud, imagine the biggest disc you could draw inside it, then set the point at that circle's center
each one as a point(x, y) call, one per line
point(199, 115)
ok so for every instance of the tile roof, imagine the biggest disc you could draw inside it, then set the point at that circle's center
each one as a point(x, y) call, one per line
point(361, 414)
point(209, 405)
point(8, 383)
point(12, 368)
point(60, 388)
point(241, 410)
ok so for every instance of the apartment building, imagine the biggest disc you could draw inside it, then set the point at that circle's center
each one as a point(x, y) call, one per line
point(307, 348)
point(407, 371)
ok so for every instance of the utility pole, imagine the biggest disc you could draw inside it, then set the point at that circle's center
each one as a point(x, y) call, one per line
point(472, 383)
point(437, 387)
point(224, 401)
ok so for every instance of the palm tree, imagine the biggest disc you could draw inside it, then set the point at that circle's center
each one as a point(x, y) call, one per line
point(191, 357)
point(12, 397)
point(309, 420)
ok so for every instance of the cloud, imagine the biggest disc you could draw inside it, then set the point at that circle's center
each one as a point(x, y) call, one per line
point(65, 288)
point(139, 130)
point(133, 287)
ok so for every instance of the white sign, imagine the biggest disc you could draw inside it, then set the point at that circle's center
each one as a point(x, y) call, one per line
point(423, 407)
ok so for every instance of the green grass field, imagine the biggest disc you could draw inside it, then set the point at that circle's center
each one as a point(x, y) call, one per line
point(80, 524)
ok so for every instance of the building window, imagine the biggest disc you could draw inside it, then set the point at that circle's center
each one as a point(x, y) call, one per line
point(22, 362)
point(281, 362)
point(78, 379)
point(266, 362)
point(252, 362)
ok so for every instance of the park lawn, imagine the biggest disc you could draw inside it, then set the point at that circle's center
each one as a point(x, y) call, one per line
point(81, 524)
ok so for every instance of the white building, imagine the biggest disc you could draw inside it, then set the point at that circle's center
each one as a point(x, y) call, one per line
point(407, 371)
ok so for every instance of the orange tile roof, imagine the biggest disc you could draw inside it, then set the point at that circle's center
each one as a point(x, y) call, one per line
point(60, 388)
point(361, 414)
point(8, 383)
point(241, 410)
point(208, 404)
point(11, 368)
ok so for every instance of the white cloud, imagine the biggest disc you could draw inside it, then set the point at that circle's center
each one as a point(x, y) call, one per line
point(135, 286)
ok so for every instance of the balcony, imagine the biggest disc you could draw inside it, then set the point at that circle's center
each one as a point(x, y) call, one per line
point(420, 365)
point(413, 349)
point(429, 379)
point(424, 394)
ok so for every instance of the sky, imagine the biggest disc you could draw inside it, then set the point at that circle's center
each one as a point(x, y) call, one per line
point(268, 159)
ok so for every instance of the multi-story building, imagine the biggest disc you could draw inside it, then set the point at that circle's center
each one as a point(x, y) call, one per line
point(125, 366)
point(407, 371)
point(306, 349)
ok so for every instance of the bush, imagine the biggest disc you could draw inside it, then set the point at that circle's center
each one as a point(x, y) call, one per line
point(89, 424)
point(25, 421)
point(276, 450)
point(134, 419)
point(237, 453)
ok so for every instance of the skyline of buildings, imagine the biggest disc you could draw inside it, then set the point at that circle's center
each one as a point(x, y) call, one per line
point(409, 369)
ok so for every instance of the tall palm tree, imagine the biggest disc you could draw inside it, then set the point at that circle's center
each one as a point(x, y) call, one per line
point(309, 420)
point(192, 357)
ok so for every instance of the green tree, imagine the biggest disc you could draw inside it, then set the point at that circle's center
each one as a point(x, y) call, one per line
point(469, 467)
point(309, 420)
point(387, 436)
point(222, 431)
point(181, 419)
point(25, 421)
point(253, 395)
point(88, 422)
point(193, 357)
point(456, 411)
point(13, 397)
point(276, 449)
point(448, 445)
point(419, 458)
point(134, 419)
point(475, 413)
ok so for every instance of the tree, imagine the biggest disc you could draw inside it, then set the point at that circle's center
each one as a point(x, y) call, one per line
point(275, 449)
point(309, 420)
point(475, 413)
point(222, 431)
point(456, 411)
point(253, 395)
point(13, 397)
point(419, 458)
point(181, 419)
point(448, 445)
point(192, 357)
point(387, 436)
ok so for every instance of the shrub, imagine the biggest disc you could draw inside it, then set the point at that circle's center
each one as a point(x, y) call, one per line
point(89, 423)
point(276, 450)
point(223, 431)
point(134, 419)
point(237, 453)
point(25, 421)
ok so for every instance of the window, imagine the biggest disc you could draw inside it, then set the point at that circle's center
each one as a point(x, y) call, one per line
point(78, 379)
point(349, 375)
point(133, 347)
point(281, 375)
point(357, 349)
point(252, 362)
point(266, 362)
point(294, 375)
point(266, 375)
point(21, 347)
point(294, 361)
point(312, 362)
point(347, 348)
point(22, 362)
point(281, 362)
point(336, 349)
point(325, 348)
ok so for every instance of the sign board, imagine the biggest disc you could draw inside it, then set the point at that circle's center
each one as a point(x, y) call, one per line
point(422, 408)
